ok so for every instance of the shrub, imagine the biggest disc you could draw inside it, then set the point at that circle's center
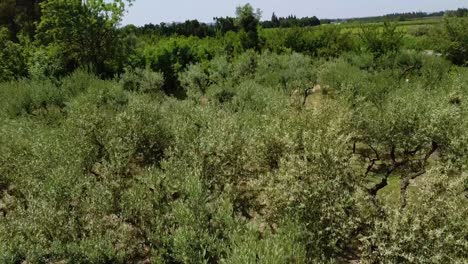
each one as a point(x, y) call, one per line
point(12, 61)
point(47, 62)
point(380, 41)
point(339, 74)
point(195, 80)
point(434, 71)
point(419, 31)
point(77, 83)
point(286, 71)
point(172, 57)
point(251, 96)
point(325, 42)
point(144, 81)
point(30, 97)
point(219, 70)
point(453, 41)
point(332, 42)
point(281, 246)
point(432, 230)
point(232, 45)
point(245, 65)
point(316, 185)
point(101, 95)
point(235, 174)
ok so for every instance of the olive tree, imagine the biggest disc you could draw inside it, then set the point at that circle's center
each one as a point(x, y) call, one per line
point(402, 134)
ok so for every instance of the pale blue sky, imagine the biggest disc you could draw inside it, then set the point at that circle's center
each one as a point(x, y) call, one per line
point(156, 11)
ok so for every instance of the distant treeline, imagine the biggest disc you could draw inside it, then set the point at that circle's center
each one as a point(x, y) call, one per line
point(399, 16)
point(187, 28)
point(461, 12)
point(290, 21)
point(226, 24)
point(222, 25)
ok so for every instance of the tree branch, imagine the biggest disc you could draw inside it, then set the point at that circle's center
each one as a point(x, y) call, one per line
point(434, 148)
point(369, 168)
point(407, 70)
point(392, 155)
point(374, 190)
point(417, 174)
point(377, 156)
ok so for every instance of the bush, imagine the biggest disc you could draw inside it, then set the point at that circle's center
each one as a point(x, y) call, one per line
point(325, 42)
point(245, 65)
point(287, 71)
point(339, 74)
point(232, 45)
point(434, 230)
point(453, 41)
point(314, 184)
point(172, 57)
point(282, 246)
point(434, 71)
point(47, 62)
point(30, 97)
point(195, 79)
point(419, 31)
point(101, 96)
point(144, 81)
point(384, 40)
point(77, 83)
point(12, 61)
point(332, 42)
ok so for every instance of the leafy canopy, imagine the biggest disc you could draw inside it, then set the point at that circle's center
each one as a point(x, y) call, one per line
point(86, 31)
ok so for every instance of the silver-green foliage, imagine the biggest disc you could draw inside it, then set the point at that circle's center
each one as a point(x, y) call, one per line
point(233, 174)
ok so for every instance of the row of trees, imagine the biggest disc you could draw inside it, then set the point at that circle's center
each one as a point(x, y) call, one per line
point(71, 35)
point(226, 24)
point(187, 28)
point(460, 12)
point(222, 25)
point(290, 21)
point(400, 16)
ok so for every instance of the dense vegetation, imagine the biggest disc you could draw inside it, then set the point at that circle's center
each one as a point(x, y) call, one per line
point(331, 144)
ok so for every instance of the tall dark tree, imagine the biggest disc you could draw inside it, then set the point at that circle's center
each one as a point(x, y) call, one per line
point(290, 21)
point(248, 21)
point(225, 24)
point(7, 12)
point(275, 21)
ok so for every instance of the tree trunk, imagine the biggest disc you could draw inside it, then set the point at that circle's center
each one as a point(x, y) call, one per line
point(404, 192)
